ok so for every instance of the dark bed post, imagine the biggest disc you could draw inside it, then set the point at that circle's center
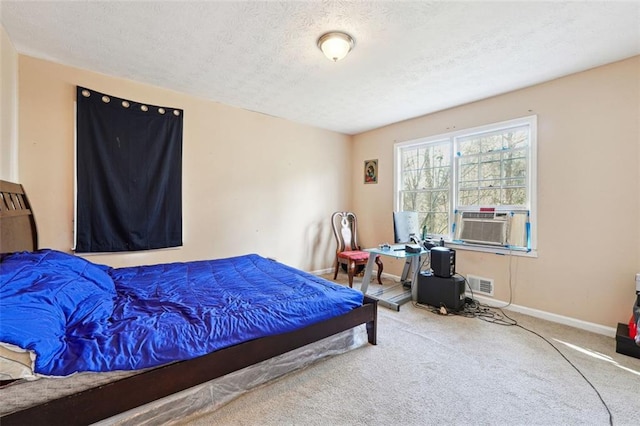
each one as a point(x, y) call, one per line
point(17, 223)
point(372, 326)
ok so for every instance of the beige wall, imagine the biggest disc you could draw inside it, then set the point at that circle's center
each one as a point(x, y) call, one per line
point(254, 183)
point(588, 191)
point(251, 183)
point(8, 108)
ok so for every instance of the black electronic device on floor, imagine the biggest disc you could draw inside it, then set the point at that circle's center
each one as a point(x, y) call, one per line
point(438, 291)
point(443, 262)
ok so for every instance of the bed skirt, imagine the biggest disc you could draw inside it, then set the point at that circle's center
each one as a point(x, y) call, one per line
point(208, 397)
point(194, 401)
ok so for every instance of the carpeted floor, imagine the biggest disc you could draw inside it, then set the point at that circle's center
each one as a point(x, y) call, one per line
point(435, 369)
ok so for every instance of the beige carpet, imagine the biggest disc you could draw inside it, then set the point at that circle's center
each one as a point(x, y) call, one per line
point(435, 369)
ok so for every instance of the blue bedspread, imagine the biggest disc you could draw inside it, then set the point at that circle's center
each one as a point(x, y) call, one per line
point(80, 316)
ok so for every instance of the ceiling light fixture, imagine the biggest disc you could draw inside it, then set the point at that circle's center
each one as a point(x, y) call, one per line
point(336, 45)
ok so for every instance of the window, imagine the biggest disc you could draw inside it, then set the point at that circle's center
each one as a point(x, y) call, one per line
point(474, 187)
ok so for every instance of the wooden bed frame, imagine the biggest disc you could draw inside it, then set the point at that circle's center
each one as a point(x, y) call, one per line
point(18, 233)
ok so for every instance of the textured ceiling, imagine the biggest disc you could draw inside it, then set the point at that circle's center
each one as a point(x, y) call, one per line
point(410, 58)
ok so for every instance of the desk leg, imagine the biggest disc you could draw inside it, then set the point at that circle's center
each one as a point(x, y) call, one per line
point(415, 266)
point(408, 265)
point(367, 273)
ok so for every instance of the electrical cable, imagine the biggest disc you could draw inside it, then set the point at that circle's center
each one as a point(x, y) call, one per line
point(485, 313)
point(475, 309)
point(513, 322)
point(575, 368)
point(510, 254)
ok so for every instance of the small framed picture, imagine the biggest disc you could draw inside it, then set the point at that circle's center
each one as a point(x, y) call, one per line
point(371, 171)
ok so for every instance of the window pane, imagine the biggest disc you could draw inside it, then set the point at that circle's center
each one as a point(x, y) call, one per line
point(426, 184)
point(490, 166)
point(514, 168)
point(493, 168)
point(515, 196)
point(490, 143)
point(424, 179)
point(437, 223)
point(408, 201)
point(516, 153)
point(441, 154)
point(432, 208)
point(423, 202)
point(468, 171)
point(438, 201)
point(497, 140)
point(426, 167)
point(426, 201)
point(439, 178)
point(410, 179)
point(468, 197)
point(516, 138)
point(409, 159)
point(468, 146)
point(489, 197)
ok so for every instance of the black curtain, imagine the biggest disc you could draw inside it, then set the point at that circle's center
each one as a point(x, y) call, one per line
point(129, 174)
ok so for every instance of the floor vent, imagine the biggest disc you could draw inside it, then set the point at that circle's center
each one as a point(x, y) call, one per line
point(481, 285)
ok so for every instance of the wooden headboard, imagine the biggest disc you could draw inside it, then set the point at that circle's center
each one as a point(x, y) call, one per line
point(17, 224)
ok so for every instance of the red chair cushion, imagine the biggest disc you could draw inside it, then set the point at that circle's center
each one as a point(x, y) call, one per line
point(357, 256)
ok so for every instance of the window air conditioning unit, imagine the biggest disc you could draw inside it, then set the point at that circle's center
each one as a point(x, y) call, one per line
point(484, 228)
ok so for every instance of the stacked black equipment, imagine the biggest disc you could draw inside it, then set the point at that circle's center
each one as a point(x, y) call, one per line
point(443, 262)
point(441, 288)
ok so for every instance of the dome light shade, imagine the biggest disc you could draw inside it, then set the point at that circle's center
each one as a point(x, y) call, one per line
point(336, 45)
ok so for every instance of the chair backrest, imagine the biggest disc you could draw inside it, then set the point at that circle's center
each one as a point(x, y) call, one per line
point(345, 227)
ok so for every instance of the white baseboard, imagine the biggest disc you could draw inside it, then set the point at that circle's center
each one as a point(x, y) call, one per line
point(373, 273)
point(391, 277)
point(560, 319)
point(322, 271)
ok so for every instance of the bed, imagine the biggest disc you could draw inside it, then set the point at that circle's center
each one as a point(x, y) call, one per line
point(147, 382)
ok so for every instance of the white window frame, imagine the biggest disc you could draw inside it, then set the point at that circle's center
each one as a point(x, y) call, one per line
point(532, 122)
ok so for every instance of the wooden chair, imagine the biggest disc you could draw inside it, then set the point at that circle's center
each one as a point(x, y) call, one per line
point(349, 252)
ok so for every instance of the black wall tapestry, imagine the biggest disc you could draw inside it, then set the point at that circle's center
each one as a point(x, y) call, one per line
point(129, 174)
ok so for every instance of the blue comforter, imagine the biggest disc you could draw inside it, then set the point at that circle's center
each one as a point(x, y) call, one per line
point(79, 316)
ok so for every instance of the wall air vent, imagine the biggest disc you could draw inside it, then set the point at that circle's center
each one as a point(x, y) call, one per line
point(484, 228)
point(480, 285)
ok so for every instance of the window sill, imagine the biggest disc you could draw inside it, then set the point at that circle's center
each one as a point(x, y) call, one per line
point(502, 251)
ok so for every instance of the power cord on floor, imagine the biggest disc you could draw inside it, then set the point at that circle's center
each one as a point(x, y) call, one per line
point(575, 368)
point(494, 315)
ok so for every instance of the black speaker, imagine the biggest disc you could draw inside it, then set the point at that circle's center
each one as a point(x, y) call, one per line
point(437, 291)
point(443, 262)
